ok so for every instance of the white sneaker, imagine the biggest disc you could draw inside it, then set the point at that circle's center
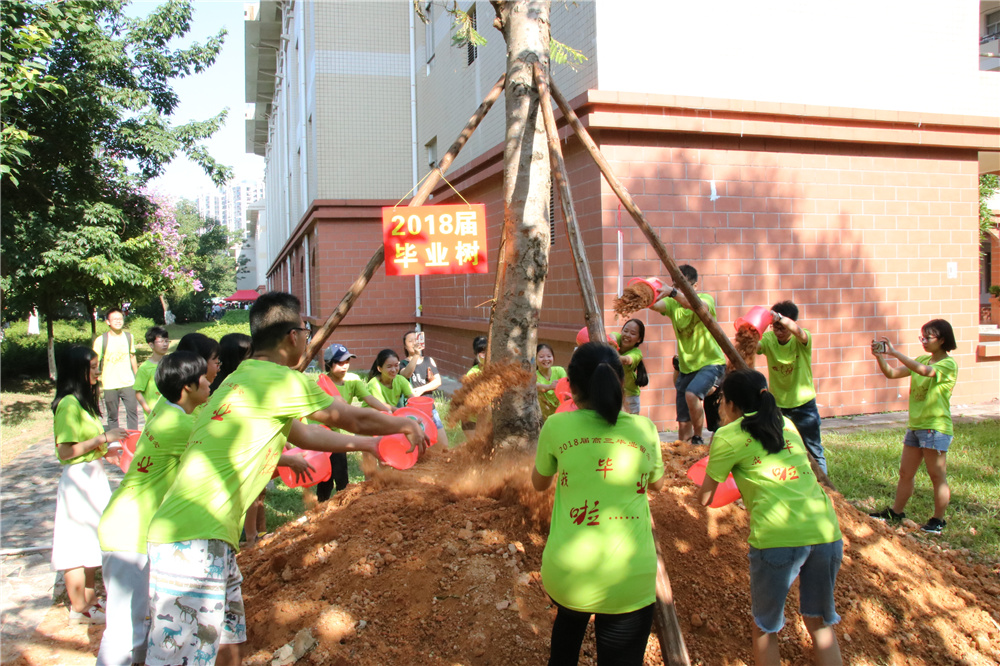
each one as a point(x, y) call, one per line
point(92, 616)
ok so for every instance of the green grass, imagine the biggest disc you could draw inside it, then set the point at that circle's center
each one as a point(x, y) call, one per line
point(864, 465)
point(284, 504)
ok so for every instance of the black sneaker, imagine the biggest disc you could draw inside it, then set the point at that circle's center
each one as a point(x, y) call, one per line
point(934, 525)
point(698, 441)
point(888, 515)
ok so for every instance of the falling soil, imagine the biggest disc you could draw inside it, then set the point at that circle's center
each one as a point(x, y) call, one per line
point(635, 297)
point(746, 341)
point(440, 565)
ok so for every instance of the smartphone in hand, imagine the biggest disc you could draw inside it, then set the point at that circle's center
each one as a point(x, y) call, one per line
point(879, 346)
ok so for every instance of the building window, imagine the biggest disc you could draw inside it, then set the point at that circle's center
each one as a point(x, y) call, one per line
point(993, 23)
point(432, 150)
point(429, 31)
point(473, 51)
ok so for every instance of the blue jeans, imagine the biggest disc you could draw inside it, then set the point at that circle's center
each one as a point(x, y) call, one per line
point(806, 420)
point(772, 572)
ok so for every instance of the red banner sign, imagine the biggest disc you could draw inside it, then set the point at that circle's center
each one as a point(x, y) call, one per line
point(435, 240)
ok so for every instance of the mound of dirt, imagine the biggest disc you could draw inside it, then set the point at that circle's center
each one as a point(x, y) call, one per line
point(440, 565)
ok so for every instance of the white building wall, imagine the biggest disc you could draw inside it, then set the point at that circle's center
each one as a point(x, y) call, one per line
point(920, 55)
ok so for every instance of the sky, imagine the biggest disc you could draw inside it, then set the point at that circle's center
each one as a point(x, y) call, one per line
point(203, 95)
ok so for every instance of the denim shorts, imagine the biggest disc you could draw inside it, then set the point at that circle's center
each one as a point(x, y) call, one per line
point(772, 572)
point(699, 382)
point(928, 439)
point(437, 418)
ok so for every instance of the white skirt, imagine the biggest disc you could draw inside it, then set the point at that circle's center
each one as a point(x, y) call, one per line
point(83, 493)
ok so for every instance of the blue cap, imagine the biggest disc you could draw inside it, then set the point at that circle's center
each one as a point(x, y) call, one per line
point(337, 354)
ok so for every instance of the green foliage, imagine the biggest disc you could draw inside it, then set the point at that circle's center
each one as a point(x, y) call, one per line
point(206, 250)
point(865, 467)
point(236, 317)
point(989, 184)
point(994, 290)
point(137, 325)
point(560, 54)
point(220, 329)
point(464, 32)
point(75, 222)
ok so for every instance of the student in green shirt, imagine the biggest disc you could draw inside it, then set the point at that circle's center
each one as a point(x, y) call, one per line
point(182, 381)
point(338, 382)
point(196, 602)
point(479, 344)
point(83, 490)
point(700, 357)
point(385, 382)
point(929, 429)
point(547, 376)
point(146, 392)
point(794, 531)
point(599, 557)
point(632, 335)
point(788, 350)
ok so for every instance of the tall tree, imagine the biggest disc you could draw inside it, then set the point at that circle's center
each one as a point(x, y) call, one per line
point(524, 245)
point(76, 223)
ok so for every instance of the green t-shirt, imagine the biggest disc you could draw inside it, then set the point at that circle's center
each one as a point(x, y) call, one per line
point(631, 388)
point(391, 395)
point(75, 424)
point(153, 470)
point(789, 369)
point(930, 397)
point(145, 382)
point(548, 401)
point(600, 557)
point(787, 506)
point(233, 451)
point(116, 370)
point(696, 347)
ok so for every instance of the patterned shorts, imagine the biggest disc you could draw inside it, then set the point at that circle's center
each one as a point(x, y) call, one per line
point(195, 602)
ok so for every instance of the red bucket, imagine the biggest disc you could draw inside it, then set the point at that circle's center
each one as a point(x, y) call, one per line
point(563, 392)
point(583, 337)
point(424, 403)
point(392, 449)
point(758, 317)
point(726, 493)
point(128, 450)
point(425, 420)
point(320, 460)
point(654, 283)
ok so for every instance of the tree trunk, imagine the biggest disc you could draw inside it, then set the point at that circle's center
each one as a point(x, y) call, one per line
point(89, 306)
point(524, 264)
point(51, 344)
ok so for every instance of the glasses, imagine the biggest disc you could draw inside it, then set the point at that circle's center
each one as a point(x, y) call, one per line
point(302, 328)
point(927, 339)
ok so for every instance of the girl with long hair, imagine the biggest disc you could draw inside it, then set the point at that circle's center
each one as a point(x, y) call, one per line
point(599, 557)
point(547, 375)
point(793, 526)
point(929, 427)
point(83, 490)
point(384, 381)
point(636, 377)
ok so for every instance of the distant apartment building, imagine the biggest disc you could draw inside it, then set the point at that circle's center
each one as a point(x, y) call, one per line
point(785, 149)
point(229, 204)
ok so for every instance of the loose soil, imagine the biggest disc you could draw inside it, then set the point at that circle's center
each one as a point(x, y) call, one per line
point(746, 342)
point(440, 565)
point(635, 297)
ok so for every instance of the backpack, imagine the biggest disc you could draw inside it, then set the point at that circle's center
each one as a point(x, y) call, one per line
point(104, 347)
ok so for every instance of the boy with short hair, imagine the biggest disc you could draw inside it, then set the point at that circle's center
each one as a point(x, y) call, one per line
point(146, 392)
point(116, 361)
point(196, 605)
point(700, 357)
point(122, 530)
point(788, 350)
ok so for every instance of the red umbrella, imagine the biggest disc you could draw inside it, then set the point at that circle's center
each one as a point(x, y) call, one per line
point(243, 295)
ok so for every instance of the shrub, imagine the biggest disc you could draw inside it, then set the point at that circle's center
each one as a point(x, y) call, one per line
point(994, 290)
point(220, 329)
point(24, 354)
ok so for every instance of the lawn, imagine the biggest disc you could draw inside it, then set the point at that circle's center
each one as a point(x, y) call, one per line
point(865, 467)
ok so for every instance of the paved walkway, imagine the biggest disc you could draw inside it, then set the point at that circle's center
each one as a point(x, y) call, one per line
point(28, 497)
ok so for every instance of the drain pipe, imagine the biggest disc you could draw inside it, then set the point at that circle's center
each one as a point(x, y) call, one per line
point(413, 142)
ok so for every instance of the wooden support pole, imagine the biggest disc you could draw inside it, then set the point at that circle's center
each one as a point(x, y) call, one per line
point(592, 311)
point(661, 251)
point(665, 623)
point(320, 338)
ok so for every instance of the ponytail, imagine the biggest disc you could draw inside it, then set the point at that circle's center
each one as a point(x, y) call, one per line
point(641, 376)
point(762, 419)
point(596, 375)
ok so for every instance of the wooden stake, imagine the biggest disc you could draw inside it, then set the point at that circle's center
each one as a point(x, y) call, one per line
point(592, 311)
point(320, 338)
point(661, 251)
point(668, 628)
